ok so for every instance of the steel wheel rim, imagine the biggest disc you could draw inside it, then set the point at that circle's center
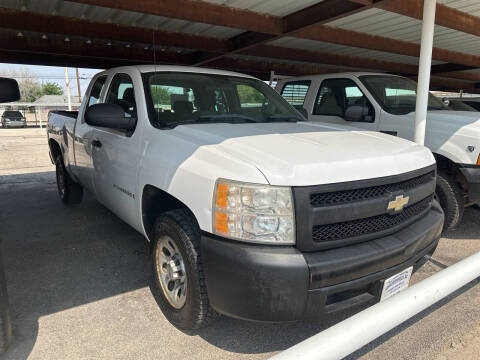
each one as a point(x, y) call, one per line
point(60, 181)
point(171, 273)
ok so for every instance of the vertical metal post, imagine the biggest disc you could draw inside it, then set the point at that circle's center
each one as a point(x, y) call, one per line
point(67, 83)
point(78, 86)
point(272, 76)
point(428, 27)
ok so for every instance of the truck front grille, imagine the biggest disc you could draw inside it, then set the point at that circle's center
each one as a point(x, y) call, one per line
point(348, 196)
point(370, 225)
point(336, 215)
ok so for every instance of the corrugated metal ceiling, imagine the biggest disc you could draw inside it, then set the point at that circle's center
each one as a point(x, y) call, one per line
point(373, 21)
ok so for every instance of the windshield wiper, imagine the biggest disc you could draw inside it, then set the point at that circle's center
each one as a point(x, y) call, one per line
point(227, 117)
point(210, 119)
point(286, 118)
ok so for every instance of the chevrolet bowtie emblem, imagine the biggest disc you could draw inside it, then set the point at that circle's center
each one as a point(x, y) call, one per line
point(398, 204)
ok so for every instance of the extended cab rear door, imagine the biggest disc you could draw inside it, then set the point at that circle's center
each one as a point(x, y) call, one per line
point(83, 133)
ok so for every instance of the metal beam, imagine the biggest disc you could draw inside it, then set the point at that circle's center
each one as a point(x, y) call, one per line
point(340, 36)
point(445, 16)
point(318, 57)
point(320, 13)
point(197, 11)
point(70, 26)
point(31, 47)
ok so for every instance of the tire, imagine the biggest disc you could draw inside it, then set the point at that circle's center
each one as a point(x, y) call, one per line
point(69, 191)
point(176, 233)
point(451, 199)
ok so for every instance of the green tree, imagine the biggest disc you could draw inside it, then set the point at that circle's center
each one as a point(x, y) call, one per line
point(51, 88)
point(30, 87)
point(160, 95)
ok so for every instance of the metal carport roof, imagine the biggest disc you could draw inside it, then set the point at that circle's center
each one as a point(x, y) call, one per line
point(254, 36)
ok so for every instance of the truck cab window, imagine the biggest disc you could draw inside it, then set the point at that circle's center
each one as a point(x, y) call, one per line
point(336, 95)
point(295, 92)
point(121, 92)
point(96, 91)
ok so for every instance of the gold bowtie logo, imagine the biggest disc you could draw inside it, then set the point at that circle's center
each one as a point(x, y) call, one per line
point(398, 204)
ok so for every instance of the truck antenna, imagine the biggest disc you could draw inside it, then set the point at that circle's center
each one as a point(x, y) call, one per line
point(157, 114)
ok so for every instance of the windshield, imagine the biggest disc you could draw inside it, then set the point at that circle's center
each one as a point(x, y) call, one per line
point(397, 95)
point(185, 98)
point(13, 114)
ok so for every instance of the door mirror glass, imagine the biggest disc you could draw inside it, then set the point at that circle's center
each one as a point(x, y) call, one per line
point(111, 116)
point(9, 90)
point(356, 113)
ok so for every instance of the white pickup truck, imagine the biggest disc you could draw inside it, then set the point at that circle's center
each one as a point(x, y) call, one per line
point(250, 211)
point(386, 103)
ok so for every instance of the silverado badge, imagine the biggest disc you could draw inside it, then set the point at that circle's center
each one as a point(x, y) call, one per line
point(398, 204)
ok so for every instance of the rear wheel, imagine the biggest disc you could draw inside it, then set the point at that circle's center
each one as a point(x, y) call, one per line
point(178, 272)
point(69, 191)
point(450, 196)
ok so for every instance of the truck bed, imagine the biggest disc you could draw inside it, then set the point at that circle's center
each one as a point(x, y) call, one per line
point(70, 114)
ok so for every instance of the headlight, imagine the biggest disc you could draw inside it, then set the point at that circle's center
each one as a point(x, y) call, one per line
point(253, 213)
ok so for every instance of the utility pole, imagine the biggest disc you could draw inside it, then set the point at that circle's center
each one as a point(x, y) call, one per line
point(67, 83)
point(78, 86)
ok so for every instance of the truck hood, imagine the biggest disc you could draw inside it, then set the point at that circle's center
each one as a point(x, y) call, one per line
point(451, 133)
point(452, 122)
point(300, 154)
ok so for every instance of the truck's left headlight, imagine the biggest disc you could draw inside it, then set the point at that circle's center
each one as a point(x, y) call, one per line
point(253, 213)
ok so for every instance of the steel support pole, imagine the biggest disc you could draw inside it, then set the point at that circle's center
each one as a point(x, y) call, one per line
point(67, 83)
point(428, 27)
point(357, 331)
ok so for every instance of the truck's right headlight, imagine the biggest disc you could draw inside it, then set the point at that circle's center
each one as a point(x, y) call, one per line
point(254, 213)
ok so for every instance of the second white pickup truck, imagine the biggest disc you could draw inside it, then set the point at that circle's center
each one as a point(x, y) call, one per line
point(250, 211)
point(386, 103)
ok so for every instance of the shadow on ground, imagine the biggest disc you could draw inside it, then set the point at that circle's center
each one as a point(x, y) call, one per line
point(57, 258)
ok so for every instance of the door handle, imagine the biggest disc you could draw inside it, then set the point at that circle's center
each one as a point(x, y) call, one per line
point(97, 143)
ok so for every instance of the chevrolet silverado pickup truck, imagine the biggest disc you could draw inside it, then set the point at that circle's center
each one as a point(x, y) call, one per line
point(386, 103)
point(250, 211)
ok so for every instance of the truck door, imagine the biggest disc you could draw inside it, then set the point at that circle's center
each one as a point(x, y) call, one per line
point(116, 155)
point(341, 101)
point(82, 138)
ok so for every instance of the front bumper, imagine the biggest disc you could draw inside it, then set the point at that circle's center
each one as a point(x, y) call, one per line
point(267, 283)
point(472, 176)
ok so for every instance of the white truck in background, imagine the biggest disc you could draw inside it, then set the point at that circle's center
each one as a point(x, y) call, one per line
point(250, 211)
point(386, 103)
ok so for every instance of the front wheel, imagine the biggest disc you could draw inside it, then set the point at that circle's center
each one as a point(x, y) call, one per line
point(452, 201)
point(69, 191)
point(178, 272)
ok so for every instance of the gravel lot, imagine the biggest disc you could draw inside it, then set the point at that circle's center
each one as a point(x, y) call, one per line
point(80, 286)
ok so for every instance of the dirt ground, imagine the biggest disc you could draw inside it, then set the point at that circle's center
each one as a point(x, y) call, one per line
point(80, 285)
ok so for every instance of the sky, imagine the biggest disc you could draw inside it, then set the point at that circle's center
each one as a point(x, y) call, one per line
point(54, 74)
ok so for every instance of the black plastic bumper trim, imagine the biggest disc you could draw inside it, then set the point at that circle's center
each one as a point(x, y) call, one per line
point(268, 283)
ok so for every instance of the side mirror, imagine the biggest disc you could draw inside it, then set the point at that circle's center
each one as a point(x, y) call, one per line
point(9, 90)
point(302, 111)
point(356, 113)
point(110, 116)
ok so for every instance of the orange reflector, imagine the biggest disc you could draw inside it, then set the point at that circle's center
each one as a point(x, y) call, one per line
point(478, 160)
point(222, 196)
point(221, 222)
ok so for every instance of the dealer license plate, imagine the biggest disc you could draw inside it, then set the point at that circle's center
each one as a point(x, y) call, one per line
point(396, 283)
